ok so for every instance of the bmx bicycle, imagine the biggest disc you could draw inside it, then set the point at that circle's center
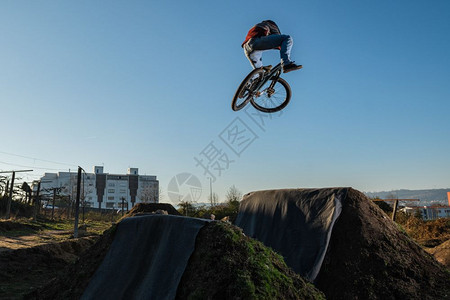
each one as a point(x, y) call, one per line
point(264, 89)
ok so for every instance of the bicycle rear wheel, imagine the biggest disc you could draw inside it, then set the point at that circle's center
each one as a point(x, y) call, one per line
point(245, 90)
point(270, 100)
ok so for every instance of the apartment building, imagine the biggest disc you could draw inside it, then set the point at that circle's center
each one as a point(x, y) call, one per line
point(104, 190)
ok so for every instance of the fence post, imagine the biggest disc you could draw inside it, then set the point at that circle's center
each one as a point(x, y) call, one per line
point(394, 211)
point(77, 204)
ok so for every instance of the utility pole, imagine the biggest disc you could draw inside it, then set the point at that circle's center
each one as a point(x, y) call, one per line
point(7, 188)
point(394, 211)
point(53, 202)
point(77, 204)
point(8, 205)
point(36, 201)
point(210, 192)
point(83, 198)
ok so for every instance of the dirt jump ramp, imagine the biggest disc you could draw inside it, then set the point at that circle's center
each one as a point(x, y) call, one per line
point(144, 249)
point(344, 243)
point(296, 223)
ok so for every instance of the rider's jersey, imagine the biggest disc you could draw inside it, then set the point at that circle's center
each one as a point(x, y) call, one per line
point(261, 29)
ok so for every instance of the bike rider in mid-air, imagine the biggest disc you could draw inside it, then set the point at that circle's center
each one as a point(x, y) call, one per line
point(264, 36)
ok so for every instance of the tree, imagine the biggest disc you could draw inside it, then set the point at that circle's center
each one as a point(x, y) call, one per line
point(186, 208)
point(213, 199)
point(233, 194)
point(150, 193)
point(3, 185)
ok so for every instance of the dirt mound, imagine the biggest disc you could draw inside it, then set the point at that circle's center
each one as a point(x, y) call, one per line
point(441, 253)
point(145, 208)
point(228, 265)
point(19, 268)
point(73, 279)
point(224, 265)
point(369, 257)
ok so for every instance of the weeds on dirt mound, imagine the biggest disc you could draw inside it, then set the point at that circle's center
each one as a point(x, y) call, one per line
point(428, 233)
point(146, 208)
point(369, 257)
point(228, 265)
point(228, 210)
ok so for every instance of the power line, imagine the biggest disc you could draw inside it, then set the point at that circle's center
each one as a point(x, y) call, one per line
point(24, 166)
point(39, 159)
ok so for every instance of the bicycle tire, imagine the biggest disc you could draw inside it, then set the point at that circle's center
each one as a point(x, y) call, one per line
point(244, 94)
point(283, 93)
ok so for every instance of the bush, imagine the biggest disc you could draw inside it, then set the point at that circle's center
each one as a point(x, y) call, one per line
point(229, 209)
point(18, 208)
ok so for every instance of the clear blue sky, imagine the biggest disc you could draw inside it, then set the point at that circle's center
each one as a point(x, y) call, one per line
point(148, 84)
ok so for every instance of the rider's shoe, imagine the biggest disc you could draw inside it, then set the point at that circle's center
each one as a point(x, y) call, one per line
point(291, 67)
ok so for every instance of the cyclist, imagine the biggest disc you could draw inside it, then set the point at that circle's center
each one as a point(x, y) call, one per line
point(264, 36)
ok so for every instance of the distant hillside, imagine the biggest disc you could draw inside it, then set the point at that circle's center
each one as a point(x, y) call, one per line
point(425, 196)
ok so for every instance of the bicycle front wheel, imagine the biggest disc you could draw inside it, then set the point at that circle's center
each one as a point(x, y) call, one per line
point(272, 98)
point(245, 90)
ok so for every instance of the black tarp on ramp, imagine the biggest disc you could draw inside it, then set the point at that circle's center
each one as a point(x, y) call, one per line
point(296, 223)
point(146, 259)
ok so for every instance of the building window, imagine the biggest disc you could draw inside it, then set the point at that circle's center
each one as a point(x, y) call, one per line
point(111, 184)
point(111, 198)
point(109, 204)
point(111, 190)
point(123, 191)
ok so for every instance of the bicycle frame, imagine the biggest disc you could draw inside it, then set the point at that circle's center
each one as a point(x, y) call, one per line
point(273, 75)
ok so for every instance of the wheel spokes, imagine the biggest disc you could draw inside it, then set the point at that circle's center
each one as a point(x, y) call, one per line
point(270, 97)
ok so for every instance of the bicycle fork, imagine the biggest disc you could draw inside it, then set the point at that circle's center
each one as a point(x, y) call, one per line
point(274, 78)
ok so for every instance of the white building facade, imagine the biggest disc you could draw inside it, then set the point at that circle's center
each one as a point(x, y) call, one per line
point(104, 190)
point(429, 212)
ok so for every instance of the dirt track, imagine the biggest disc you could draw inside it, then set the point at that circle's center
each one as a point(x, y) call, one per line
point(27, 241)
